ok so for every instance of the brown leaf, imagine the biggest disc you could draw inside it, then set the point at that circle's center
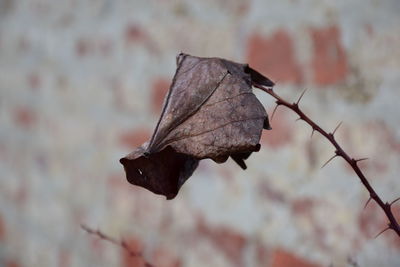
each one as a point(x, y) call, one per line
point(211, 112)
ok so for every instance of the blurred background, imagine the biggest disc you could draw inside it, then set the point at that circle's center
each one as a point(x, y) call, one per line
point(82, 84)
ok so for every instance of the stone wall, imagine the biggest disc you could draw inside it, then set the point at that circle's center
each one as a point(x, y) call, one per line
point(82, 84)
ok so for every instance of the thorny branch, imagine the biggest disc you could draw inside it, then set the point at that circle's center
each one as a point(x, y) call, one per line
point(393, 224)
point(121, 243)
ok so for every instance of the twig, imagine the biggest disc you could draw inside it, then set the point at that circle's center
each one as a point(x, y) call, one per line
point(385, 206)
point(116, 242)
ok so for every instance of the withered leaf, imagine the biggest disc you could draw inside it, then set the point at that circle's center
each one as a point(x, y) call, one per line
point(209, 111)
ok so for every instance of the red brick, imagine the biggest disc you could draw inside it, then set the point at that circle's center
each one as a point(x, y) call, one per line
point(25, 117)
point(134, 33)
point(283, 258)
point(329, 63)
point(274, 57)
point(162, 257)
point(134, 138)
point(282, 130)
point(159, 89)
point(303, 206)
point(12, 263)
point(228, 241)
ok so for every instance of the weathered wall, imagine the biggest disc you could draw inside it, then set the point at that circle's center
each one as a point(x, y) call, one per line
point(82, 82)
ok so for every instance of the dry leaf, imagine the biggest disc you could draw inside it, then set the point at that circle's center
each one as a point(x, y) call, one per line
point(211, 112)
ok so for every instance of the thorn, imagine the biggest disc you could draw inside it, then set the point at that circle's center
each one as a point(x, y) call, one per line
point(270, 90)
point(337, 127)
point(329, 160)
point(358, 160)
point(301, 96)
point(273, 112)
point(298, 119)
point(312, 133)
point(366, 204)
point(394, 201)
point(384, 230)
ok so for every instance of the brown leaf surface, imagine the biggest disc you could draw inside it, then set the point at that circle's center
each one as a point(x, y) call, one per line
point(211, 112)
